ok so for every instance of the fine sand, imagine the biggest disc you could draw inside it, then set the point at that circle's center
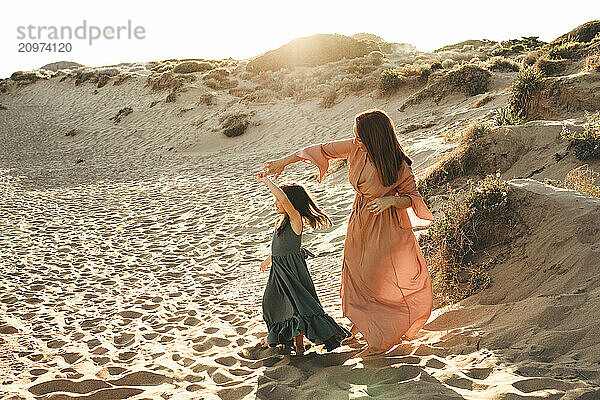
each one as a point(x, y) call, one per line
point(129, 258)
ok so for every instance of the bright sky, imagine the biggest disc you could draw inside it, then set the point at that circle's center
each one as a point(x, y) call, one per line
point(242, 29)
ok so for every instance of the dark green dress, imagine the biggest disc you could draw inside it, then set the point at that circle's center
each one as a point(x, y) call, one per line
point(290, 303)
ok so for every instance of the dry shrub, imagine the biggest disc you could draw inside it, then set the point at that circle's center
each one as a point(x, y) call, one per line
point(502, 64)
point(235, 124)
point(592, 63)
point(583, 179)
point(207, 99)
point(171, 97)
point(329, 97)
point(123, 112)
point(473, 220)
point(530, 58)
point(464, 159)
point(551, 67)
point(261, 96)
point(187, 67)
point(166, 81)
point(468, 79)
point(482, 101)
point(587, 142)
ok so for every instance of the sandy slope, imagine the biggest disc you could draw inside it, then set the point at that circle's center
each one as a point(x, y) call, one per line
point(129, 259)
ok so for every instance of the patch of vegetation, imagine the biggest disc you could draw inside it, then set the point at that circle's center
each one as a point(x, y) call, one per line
point(469, 79)
point(550, 67)
point(123, 112)
point(464, 159)
point(482, 101)
point(235, 124)
point(470, 222)
point(390, 80)
point(583, 179)
point(329, 97)
point(587, 142)
point(166, 81)
point(592, 63)
point(502, 64)
point(436, 65)
point(207, 99)
point(507, 116)
point(568, 50)
point(188, 67)
point(218, 79)
point(525, 86)
point(582, 34)
point(448, 63)
point(171, 97)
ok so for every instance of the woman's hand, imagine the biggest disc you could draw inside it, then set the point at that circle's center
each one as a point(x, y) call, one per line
point(274, 167)
point(381, 204)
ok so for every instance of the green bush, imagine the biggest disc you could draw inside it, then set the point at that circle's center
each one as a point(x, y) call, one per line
point(524, 87)
point(188, 67)
point(565, 50)
point(506, 116)
point(390, 79)
point(586, 143)
point(467, 225)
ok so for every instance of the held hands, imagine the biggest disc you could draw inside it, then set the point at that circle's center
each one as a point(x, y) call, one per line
point(274, 167)
point(261, 177)
point(381, 204)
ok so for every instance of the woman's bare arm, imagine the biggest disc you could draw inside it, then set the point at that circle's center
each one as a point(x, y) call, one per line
point(276, 166)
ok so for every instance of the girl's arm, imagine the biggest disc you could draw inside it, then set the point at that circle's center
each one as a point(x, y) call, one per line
point(265, 264)
point(295, 217)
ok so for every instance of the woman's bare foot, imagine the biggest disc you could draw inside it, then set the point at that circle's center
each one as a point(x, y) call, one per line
point(299, 342)
point(352, 337)
point(367, 351)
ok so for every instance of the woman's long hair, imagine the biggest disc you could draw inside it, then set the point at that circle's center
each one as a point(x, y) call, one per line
point(305, 205)
point(376, 130)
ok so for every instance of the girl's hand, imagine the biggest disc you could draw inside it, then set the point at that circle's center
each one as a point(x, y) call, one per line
point(381, 204)
point(261, 177)
point(264, 266)
point(274, 167)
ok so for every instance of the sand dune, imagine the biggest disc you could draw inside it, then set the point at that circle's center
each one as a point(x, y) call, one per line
point(130, 255)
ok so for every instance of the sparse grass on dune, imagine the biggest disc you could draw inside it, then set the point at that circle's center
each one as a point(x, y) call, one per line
point(583, 179)
point(586, 143)
point(461, 161)
point(472, 220)
point(469, 79)
point(502, 64)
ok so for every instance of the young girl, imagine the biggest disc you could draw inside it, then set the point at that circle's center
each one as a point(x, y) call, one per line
point(290, 304)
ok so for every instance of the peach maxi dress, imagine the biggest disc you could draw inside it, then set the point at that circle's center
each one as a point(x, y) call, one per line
point(386, 288)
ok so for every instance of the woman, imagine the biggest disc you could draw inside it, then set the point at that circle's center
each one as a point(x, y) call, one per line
point(386, 288)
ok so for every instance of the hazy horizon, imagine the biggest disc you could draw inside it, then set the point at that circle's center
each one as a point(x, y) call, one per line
point(252, 29)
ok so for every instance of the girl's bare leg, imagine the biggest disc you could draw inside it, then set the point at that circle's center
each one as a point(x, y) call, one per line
point(299, 342)
point(353, 331)
point(263, 343)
